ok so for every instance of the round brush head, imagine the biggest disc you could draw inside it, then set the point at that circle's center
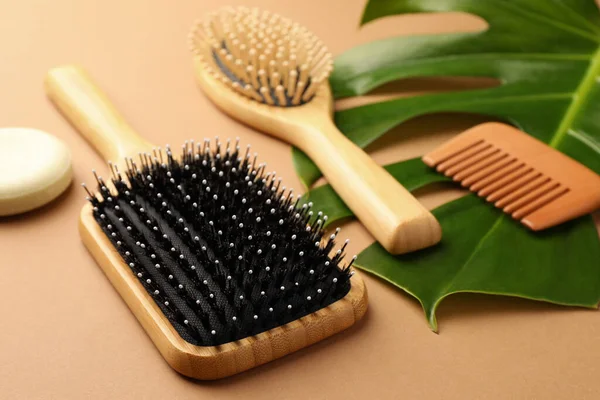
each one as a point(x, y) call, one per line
point(261, 55)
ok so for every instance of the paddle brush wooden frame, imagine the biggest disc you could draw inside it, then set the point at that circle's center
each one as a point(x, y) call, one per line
point(89, 110)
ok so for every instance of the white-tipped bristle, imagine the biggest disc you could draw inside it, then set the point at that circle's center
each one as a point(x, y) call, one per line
point(272, 59)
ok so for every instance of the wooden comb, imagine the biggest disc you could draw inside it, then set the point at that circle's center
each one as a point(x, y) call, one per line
point(526, 178)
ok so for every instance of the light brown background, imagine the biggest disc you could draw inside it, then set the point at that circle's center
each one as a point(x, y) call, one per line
point(66, 334)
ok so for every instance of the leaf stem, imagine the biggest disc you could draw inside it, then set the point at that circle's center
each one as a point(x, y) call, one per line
point(579, 96)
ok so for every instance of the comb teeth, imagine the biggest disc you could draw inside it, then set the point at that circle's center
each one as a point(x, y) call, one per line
point(519, 174)
point(513, 188)
point(221, 247)
point(261, 55)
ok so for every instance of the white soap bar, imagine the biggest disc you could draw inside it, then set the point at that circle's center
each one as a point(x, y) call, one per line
point(35, 167)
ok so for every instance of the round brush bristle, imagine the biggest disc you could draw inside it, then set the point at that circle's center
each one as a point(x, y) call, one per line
point(221, 247)
point(261, 55)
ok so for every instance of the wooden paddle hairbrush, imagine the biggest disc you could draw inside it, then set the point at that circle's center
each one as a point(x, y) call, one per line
point(526, 178)
point(271, 73)
point(218, 262)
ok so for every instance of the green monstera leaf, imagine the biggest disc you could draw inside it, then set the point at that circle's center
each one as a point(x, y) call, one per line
point(546, 55)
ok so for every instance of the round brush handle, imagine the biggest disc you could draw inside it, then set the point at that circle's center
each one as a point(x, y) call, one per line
point(88, 109)
point(393, 216)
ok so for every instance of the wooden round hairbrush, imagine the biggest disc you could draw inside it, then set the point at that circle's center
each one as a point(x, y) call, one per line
point(219, 263)
point(272, 74)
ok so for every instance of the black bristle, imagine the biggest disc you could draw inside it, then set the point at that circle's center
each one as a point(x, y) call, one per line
point(222, 248)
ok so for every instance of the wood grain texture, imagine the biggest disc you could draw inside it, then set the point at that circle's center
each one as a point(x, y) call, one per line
point(393, 216)
point(534, 183)
point(76, 96)
point(213, 362)
point(88, 109)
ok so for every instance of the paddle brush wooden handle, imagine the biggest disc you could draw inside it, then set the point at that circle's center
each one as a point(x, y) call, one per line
point(92, 114)
point(396, 219)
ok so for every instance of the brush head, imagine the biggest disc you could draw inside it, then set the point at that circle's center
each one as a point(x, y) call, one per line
point(221, 247)
point(261, 55)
